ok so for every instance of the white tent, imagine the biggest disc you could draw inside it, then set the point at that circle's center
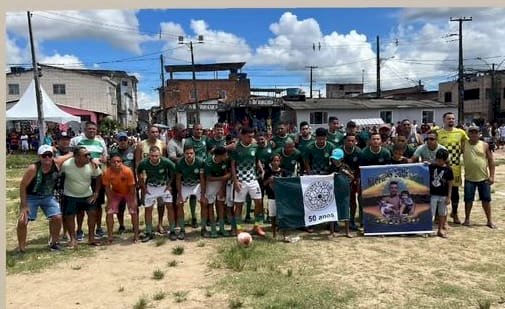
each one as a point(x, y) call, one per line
point(368, 121)
point(26, 108)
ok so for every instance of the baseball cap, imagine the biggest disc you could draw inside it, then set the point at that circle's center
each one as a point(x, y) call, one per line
point(473, 128)
point(337, 154)
point(384, 125)
point(44, 148)
point(63, 134)
point(121, 134)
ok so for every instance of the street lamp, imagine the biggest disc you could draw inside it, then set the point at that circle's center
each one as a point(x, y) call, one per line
point(190, 45)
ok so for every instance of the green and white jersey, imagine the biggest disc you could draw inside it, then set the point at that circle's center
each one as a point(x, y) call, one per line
point(95, 146)
point(216, 169)
point(280, 141)
point(190, 172)
point(336, 138)
point(200, 146)
point(213, 143)
point(303, 143)
point(319, 158)
point(245, 158)
point(288, 162)
point(265, 154)
point(368, 157)
point(157, 175)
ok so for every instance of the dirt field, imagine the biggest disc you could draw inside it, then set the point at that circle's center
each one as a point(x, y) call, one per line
point(464, 271)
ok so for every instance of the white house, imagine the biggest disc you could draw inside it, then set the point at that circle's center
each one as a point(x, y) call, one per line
point(90, 94)
point(317, 111)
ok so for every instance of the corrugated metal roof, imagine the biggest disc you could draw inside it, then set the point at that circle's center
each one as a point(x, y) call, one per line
point(363, 104)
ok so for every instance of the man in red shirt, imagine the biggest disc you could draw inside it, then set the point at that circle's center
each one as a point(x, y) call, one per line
point(119, 184)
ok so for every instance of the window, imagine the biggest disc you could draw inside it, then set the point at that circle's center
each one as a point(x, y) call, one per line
point(386, 116)
point(59, 89)
point(124, 83)
point(448, 97)
point(472, 94)
point(221, 94)
point(427, 116)
point(13, 89)
point(318, 117)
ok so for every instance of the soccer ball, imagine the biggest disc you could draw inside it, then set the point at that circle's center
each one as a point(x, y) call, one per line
point(244, 239)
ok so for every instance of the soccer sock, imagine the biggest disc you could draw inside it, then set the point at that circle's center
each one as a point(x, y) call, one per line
point(149, 228)
point(180, 221)
point(238, 219)
point(204, 223)
point(221, 224)
point(259, 220)
point(172, 227)
point(248, 203)
point(192, 206)
point(233, 222)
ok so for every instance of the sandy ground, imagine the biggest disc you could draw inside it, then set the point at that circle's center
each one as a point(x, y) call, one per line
point(384, 268)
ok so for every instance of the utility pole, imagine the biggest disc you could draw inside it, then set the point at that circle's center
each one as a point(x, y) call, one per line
point(195, 94)
point(461, 85)
point(38, 96)
point(378, 91)
point(162, 88)
point(311, 67)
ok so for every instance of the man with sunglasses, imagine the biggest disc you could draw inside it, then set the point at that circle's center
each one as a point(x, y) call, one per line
point(428, 150)
point(37, 189)
point(406, 130)
point(98, 151)
point(78, 194)
point(127, 154)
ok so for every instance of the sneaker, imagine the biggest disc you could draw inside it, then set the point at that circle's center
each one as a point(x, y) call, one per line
point(259, 231)
point(56, 247)
point(194, 224)
point(204, 233)
point(224, 233)
point(121, 230)
point(148, 237)
point(181, 235)
point(79, 236)
point(99, 233)
point(172, 236)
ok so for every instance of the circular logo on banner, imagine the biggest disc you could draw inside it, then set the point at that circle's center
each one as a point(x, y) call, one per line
point(318, 195)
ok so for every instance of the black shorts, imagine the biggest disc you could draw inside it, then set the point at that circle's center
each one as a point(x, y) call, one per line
point(71, 205)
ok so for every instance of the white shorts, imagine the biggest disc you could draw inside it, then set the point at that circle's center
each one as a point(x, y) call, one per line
point(251, 187)
point(213, 188)
point(272, 208)
point(24, 145)
point(155, 193)
point(190, 190)
point(229, 194)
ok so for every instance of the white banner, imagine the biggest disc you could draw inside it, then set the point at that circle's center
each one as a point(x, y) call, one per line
point(318, 199)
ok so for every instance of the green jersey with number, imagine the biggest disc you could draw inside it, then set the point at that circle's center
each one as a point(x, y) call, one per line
point(213, 143)
point(319, 158)
point(216, 169)
point(200, 146)
point(190, 172)
point(288, 162)
point(245, 158)
point(160, 174)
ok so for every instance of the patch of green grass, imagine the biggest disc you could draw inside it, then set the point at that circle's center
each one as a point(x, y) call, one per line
point(20, 161)
point(158, 274)
point(234, 303)
point(178, 250)
point(172, 263)
point(180, 296)
point(160, 241)
point(12, 194)
point(141, 303)
point(38, 257)
point(259, 291)
point(200, 243)
point(159, 295)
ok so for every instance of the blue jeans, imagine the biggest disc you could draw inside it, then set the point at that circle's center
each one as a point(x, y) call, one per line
point(48, 204)
point(484, 190)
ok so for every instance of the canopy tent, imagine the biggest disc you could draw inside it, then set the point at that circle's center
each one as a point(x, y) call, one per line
point(26, 108)
point(368, 121)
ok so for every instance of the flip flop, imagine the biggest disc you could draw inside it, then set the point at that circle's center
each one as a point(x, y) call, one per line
point(94, 244)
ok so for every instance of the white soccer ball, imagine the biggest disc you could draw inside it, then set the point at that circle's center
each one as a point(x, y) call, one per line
point(244, 239)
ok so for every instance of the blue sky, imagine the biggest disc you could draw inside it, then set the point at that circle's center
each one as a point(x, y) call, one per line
point(275, 43)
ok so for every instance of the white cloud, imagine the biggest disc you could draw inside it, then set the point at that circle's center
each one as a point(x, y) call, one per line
point(64, 61)
point(148, 100)
point(14, 53)
point(120, 28)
